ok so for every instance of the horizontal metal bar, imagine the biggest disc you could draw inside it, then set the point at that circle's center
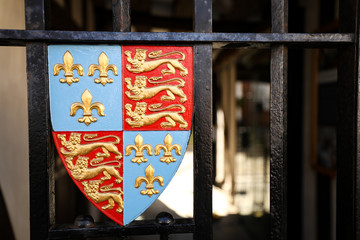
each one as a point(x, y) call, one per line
point(219, 40)
point(108, 229)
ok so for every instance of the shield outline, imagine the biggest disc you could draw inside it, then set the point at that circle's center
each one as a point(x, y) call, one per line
point(122, 69)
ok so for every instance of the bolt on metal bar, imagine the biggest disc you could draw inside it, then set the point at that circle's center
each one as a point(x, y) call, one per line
point(278, 124)
point(110, 229)
point(203, 123)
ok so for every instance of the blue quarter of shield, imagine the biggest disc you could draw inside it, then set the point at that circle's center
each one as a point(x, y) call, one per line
point(135, 203)
point(63, 95)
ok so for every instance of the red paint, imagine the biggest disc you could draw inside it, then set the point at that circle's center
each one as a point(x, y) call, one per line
point(187, 89)
point(110, 213)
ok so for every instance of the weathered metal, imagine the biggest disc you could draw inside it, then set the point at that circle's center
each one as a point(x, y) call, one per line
point(108, 229)
point(41, 168)
point(121, 15)
point(278, 124)
point(218, 40)
point(278, 142)
point(203, 152)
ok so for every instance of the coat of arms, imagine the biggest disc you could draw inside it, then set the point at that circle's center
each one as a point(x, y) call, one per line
point(121, 118)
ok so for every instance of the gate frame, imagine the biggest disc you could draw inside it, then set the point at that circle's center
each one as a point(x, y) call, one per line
point(41, 149)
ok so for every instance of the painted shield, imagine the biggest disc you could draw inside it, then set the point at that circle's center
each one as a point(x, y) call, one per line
point(121, 118)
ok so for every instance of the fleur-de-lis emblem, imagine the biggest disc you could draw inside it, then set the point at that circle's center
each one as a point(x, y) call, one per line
point(139, 148)
point(149, 180)
point(168, 158)
point(103, 68)
point(68, 68)
point(87, 107)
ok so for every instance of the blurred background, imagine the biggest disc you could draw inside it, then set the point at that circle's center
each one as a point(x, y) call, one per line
point(241, 97)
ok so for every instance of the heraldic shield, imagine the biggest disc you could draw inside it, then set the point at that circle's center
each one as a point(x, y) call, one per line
point(121, 118)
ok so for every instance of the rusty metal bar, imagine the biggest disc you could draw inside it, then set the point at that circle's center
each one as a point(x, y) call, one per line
point(218, 40)
point(278, 124)
point(121, 15)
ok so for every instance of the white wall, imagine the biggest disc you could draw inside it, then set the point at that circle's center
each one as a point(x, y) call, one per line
point(14, 176)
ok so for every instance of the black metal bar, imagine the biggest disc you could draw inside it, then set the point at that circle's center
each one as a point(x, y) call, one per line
point(278, 125)
point(108, 229)
point(203, 157)
point(278, 142)
point(203, 142)
point(121, 15)
point(35, 14)
point(219, 40)
point(41, 194)
point(202, 16)
point(41, 190)
point(279, 16)
point(348, 139)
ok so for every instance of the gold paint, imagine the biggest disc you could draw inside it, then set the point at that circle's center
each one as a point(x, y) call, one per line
point(80, 170)
point(140, 64)
point(68, 68)
point(168, 158)
point(140, 119)
point(103, 68)
point(105, 193)
point(149, 180)
point(76, 149)
point(87, 107)
point(140, 91)
point(139, 148)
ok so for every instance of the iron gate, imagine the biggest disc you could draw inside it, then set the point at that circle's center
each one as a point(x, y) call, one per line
point(36, 38)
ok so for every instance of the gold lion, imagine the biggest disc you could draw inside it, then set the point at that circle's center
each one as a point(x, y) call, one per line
point(75, 148)
point(140, 119)
point(80, 170)
point(141, 92)
point(140, 64)
point(100, 194)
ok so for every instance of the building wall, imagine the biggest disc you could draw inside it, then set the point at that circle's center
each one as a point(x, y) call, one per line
point(14, 170)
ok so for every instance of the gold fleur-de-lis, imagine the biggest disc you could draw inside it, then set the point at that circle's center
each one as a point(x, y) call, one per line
point(149, 180)
point(139, 148)
point(103, 68)
point(168, 158)
point(68, 68)
point(87, 107)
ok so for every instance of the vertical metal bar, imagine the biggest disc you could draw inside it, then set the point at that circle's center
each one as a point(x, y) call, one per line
point(348, 138)
point(203, 157)
point(35, 14)
point(278, 124)
point(40, 187)
point(202, 16)
point(279, 16)
point(121, 15)
point(41, 190)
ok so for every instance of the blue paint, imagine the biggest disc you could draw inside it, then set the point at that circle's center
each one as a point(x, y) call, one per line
point(62, 95)
point(134, 202)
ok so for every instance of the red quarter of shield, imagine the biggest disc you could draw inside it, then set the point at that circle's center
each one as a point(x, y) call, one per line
point(94, 160)
point(157, 87)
